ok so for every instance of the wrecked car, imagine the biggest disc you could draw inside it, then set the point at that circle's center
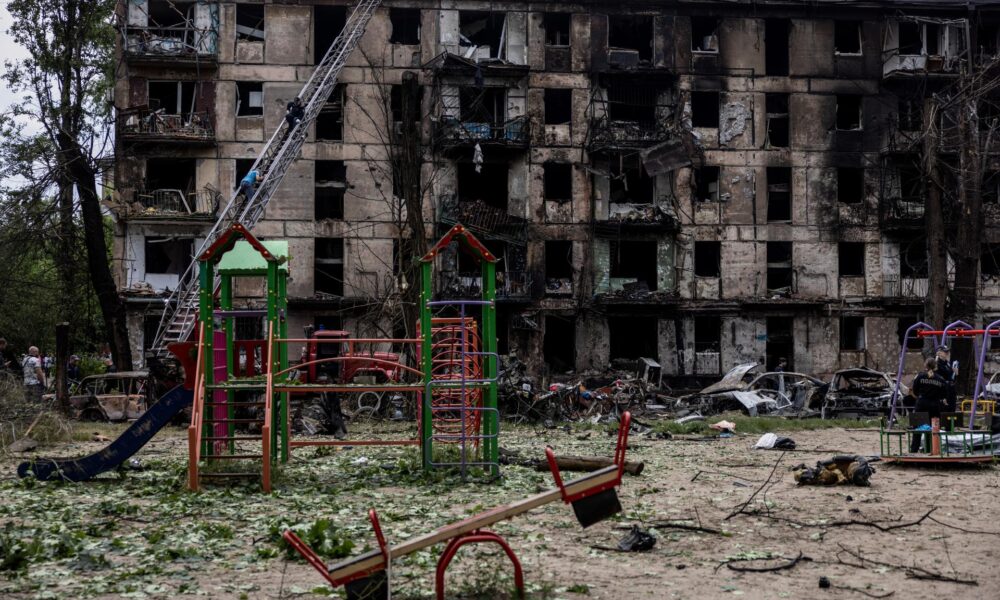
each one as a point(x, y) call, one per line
point(752, 390)
point(112, 396)
point(860, 391)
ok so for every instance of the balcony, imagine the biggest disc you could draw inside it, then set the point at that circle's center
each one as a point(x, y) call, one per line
point(510, 285)
point(146, 125)
point(176, 45)
point(514, 134)
point(895, 287)
point(482, 219)
point(606, 134)
point(627, 216)
point(901, 213)
point(168, 205)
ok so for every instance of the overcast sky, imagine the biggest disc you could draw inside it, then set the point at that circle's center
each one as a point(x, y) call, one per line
point(8, 50)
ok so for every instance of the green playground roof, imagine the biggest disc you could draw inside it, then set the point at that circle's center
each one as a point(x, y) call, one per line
point(244, 259)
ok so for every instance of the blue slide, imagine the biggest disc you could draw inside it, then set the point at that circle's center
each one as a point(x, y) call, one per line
point(120, 450)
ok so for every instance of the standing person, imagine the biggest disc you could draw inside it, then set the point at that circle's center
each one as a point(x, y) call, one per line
point(34, 376)
point(931, 391)
point(73, 369)
point(945, 370)
point(294, 113)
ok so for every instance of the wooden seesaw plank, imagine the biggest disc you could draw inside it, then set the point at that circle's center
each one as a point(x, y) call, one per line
point(374, 559)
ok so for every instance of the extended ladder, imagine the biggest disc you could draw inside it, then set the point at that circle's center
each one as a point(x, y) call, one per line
point(180, 315)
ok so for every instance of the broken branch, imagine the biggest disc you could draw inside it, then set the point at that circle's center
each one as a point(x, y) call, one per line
point(781, 567)
point(754, 495)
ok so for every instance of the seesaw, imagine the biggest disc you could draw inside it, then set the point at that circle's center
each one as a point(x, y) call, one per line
point(366, 576)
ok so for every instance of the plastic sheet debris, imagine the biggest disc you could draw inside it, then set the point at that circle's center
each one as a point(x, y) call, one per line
point(770, 441)
point(637, 540)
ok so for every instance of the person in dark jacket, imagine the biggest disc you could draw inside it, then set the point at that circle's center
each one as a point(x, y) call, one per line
point(294, 113)
point(944, 369)
point(931, 391)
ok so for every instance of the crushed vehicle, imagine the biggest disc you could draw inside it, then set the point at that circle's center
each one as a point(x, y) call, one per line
point(120, 396)
point(861, 391)
point(754, 391)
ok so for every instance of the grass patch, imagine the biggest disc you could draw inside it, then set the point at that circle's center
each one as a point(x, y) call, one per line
point(763, 424)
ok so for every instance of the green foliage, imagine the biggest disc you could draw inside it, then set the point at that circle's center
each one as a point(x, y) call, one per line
point(325, 538)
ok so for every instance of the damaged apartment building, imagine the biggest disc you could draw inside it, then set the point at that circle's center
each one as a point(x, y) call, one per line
point(701, 183)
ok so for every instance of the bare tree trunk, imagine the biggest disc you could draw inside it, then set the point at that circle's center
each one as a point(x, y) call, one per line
point(62, 359)
point(937, 252)
point(969, 232)
point(112, 306)
point(409, 164)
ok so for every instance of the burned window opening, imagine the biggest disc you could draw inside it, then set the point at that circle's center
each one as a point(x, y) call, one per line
point(848, 112)
point(705, 34)
point(630, 34)
point(172, 97)
point(633, 102)
point(989, 263)
point(706, 181)
point(559, 345)
point(850, 185)
point(851, 259)
point(847, 37)
point(852, 334)
point(171, 174)
point(328, 265)
point(705, 109)
point(707, 334)
point(328, 22)
point(633, 337)
point(629, 182)
point(483, 105)
point(910, 38)
point(168, 255)
point(776, 47)
point(911, 114)
point(405, 25)
point(396, 104)
point(780, 278)
point(558, 266)
point(250, 22)
point(489, 185)
point(914, 343)
point(249, 98)
point(330, 187)
point(558, 181)
point(150, 327)
point(913, 261)
point(558, 106)
point(780, 344)
point(557, 29)
point(779, 194)
point(330, 122)
point(707, 259)
point(169, 13)
point(776, 106)
point(633, 264)
point(484, 30)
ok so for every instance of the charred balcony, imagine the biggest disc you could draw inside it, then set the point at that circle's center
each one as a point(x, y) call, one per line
point(630, 112)
point(140, 204)
point(171, 32)
point(155, 125)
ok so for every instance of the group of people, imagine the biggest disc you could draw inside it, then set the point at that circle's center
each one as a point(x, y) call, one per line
point(934, 390)
point(36, 368)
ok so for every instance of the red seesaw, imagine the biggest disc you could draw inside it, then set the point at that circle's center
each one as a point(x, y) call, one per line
point(365, 577)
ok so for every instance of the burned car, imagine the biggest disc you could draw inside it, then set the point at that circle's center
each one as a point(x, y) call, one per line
point(751, 389)
point(112, 396)
point(861, 391)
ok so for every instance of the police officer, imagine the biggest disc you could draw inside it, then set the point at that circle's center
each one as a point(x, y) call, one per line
point(945, 370)
point(931, 391)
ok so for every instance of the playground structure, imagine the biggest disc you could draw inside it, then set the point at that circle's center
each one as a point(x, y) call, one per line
point(367, 576)
point(960, 440)
point(455, 384)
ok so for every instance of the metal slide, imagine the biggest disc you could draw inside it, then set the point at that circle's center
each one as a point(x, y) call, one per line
point(118, 451)
point(282, 149)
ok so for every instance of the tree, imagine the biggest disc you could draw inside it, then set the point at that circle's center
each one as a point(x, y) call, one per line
point(55, 139)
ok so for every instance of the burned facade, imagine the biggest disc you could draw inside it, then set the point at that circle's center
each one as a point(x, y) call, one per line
point(702, 183)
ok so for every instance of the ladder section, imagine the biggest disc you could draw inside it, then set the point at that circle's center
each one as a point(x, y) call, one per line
point(281, 150)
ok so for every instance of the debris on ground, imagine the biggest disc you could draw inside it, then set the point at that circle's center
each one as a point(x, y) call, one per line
point(637, 540)
point(723, 426)
point(772, 441)
point(839, 470)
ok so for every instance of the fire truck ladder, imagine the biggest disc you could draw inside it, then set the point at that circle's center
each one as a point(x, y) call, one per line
point(180, 314)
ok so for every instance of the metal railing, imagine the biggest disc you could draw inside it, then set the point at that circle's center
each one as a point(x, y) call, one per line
point(177, 41)
point(509, 285)
point(606, 132)
point(514, 132)
point(904, 287)
point(160, 202)
point(155, 124)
